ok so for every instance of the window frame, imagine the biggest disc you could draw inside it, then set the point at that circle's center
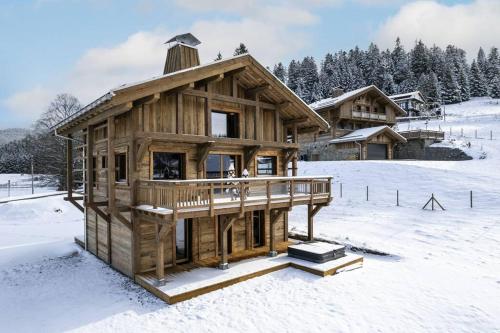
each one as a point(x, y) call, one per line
point(274, 168)
point(120, 180)
point(182, 167)
point(236, 132)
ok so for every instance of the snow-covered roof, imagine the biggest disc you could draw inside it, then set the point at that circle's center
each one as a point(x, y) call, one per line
point(366, 133)
point(411, 95)
point(332, 101)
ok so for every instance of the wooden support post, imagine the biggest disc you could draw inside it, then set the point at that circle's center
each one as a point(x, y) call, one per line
point(292, 192)
point(257, 120)
point(273, 218)
point(268, 194)
point(90, 164)
point(294, 164)
point(310, 215)
point(180, 114)
point(111, 162)
point(211, 197)
point(276, 125)
point(225, 224)
point(174, 244)
point(160, 255)
point(208, 113)
point(69, 168)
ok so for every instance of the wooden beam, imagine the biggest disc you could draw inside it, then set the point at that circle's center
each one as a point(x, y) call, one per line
point(164, 230)
point(143, 147)
point(179, 114)
point(215, 78)
point(208, 114)
point(113, 111)
point(111, 162)
point(235, 71)
point(119, 216)
point(257, 120)
point(274, 215)
point(258, 89)
point(203, 151)
point(90, 164)
point(69, 167)
point(224, 225)
point(77, 205)
point(276, 125)
point(310, 129)
point(160, 256)
point(310, 227)
point(294, 121)
point(250, 153)
point(147, 100)
point(231, 99)
point(181, 89)
point(284, 105)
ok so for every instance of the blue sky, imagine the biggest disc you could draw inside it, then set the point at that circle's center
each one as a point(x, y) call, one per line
point(86, 47)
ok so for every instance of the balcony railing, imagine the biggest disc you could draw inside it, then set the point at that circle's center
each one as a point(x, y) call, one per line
point(422, 134)
point(368, 115)
point(182, 197)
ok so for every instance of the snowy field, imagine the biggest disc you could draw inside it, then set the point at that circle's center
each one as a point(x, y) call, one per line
point(21, 185)
point(442, 275)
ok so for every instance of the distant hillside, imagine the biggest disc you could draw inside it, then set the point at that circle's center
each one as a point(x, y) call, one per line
point(11, 134)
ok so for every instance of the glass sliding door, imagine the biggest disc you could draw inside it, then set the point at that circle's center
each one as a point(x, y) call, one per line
point(218, 167)
point(183, 240)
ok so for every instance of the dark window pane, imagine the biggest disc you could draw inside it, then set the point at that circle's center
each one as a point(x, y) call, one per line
point(225, 125)
point(167, 166)
point(213, 166)
point(121, 167)
point(266, 165)
point(258, 228)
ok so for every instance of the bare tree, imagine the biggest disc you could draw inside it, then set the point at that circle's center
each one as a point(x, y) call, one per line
point(63, 106)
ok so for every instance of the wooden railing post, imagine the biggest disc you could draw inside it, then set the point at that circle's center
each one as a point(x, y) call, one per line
point(312, 191)
point(155, 203)
point(211, 199)
point(242, 199)
point(174, 206)
point(292, 191)
point(268, 192)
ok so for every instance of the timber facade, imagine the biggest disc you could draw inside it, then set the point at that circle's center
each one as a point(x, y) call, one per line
point(156, 156)
point(349, 115)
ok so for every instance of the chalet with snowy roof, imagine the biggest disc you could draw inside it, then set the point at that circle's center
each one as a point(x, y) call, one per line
point(191, 169)
point(360, 126)
point(413, 103)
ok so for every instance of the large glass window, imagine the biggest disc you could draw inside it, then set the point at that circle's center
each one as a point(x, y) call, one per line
point(258, 228)
point(266, 165)
point(218, 165)
point(168, 166)
point(225, 125)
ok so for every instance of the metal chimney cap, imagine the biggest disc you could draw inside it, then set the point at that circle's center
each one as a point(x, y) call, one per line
point(187, 39)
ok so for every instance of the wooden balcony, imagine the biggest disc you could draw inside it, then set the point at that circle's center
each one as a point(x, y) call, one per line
point(177, 199)
point(422, 134)
point(368, 115)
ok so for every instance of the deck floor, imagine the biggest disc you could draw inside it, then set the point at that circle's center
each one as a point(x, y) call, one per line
point(185, 284)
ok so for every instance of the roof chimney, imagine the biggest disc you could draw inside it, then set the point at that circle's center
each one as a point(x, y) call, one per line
point(336, 92)
point(182, 53)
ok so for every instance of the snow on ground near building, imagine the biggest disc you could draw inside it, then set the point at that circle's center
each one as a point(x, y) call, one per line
point(442, 274)
point(21, 185)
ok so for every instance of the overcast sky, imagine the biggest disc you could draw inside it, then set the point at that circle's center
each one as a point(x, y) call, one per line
point(86, 47)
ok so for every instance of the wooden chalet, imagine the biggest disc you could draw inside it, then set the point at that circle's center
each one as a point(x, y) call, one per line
point(360, 127)
point(157, 154)
point(413, 103)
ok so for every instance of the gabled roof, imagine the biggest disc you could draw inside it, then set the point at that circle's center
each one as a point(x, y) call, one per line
point(130, 92)
point(411, 95)
point(187, 39)
point(367, 133)
point(334, 101)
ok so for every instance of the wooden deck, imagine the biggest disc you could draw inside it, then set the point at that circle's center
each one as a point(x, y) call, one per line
point(190, 281)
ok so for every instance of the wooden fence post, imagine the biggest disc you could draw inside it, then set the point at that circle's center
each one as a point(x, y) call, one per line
point(366, 192)
point(470, 199)
point(8, 188)
point(397, 198)
point(341, 190)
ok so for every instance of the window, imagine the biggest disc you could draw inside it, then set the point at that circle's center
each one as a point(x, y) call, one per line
point(168, 166)
point(225, 125)
point(218, 165)
point(258, 228)
point(358, 107)
point(121, 167)
point(104, 162)
point(266, 165)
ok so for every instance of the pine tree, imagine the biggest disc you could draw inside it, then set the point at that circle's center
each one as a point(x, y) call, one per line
point(478, 84)
point(419, 59)
point(294, 75)
point(372, 65)
point(242, 49)
point(386, 80)
point(437, 61)
point(309, 75)
point(493, 71)
point(219, 57)
point(326, 74)
point(495, 87)
point(482, 63)
point(428, 85)
point(280, 72)
point(450, 90)
point(400, 62)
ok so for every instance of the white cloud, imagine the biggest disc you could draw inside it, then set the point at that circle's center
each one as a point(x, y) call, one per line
point(468, 26)
point(27, 105)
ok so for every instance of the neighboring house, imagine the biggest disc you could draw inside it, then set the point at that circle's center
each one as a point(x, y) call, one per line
point(360, 127)
point(156, 152)
point(413, 103)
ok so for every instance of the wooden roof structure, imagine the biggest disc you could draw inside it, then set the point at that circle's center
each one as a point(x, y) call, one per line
point(251, 75)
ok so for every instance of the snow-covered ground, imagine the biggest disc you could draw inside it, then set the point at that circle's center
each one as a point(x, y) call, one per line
point(443, 274)
point(21, 185)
